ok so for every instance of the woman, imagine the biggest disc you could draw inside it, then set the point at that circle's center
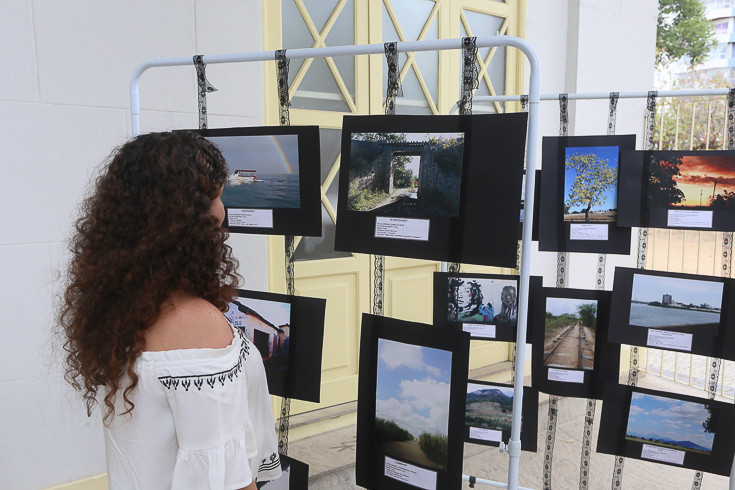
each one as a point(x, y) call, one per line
point(184, 394)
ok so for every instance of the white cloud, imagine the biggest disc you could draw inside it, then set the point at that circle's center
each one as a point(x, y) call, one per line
point(397, 354)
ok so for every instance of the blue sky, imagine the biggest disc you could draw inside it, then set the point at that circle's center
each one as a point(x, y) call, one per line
point(267, 154)
point(610, 153)
point(559, 306)
point(413, 386)
point(666, 417)
point(652, 288)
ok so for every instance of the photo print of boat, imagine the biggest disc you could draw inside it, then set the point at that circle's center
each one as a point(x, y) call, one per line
point(591, 184)
point(698, 182)
point(489, 301)
point(489, 407)
point(263, 170)
point(675, 304)
point(569, 333)
point(406, 174)
point(268, 326)
point(670, 423)
point(412, 403)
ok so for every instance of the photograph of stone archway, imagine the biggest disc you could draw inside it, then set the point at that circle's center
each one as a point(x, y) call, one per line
point(406, 174)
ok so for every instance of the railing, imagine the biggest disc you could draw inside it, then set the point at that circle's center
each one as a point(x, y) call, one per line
point(688, 124)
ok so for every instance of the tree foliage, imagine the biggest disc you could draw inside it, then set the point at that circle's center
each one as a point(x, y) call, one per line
point(683, 30)
point(662, 188)
point(588, 315)
point(593, 177)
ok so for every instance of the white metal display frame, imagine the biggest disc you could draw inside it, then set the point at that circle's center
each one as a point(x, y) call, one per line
point(514, 444)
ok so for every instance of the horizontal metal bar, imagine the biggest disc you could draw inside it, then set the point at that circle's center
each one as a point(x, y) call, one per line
point(606, 95)
point(491, 483)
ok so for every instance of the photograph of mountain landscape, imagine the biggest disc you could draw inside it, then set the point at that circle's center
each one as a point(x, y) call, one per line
point(412, 403)
point(569, 333)
point(489, 407)
point(406, 174)
point(671, 423)
point(676, 304)
point(591, 184)
point(677, 180)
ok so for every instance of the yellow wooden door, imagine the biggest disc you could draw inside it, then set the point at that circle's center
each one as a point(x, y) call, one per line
point(322, 92)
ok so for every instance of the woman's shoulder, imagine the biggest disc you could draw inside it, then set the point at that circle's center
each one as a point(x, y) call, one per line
point(188, 322)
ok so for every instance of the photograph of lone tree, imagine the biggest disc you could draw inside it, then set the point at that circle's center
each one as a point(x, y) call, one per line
point(406, 174)
point(671, 423)
point(489, 407)
point(569, 333)
point(691, 181)
point(412, 403)
point(591, 184)
point(679, 305)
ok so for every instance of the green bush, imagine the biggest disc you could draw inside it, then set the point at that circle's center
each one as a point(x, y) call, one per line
point(363, 199)
point(389, 431)
point(434, 446)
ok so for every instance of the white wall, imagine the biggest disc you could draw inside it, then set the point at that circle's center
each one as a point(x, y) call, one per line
point(592, 46)
point(64, 104)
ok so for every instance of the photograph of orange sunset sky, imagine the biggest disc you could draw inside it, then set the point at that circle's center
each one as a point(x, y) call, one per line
point(692, 181)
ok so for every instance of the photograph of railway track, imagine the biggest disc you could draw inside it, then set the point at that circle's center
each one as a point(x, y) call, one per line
point(678, 305)
point(569, 333)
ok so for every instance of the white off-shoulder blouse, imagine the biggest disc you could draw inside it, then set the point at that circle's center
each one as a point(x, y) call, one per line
point(202, 420)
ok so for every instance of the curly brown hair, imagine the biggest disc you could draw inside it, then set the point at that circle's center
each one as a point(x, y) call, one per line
point(144, 232)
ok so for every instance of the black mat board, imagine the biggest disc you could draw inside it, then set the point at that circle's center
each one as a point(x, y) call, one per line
point(440, 350)
point(498, 393)
point(479, 291)
point(614, 424)
point(567, 377)
point(303, 219)
point(294, 476)
point(300, 378)
point(554, 232)
point(536, 203)
point(477, 227)
point(652, 183)
point(713, 340)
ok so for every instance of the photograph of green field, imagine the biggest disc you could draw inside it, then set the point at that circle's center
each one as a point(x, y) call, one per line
point(412, 403)
point(489, 407)
point(671, 423)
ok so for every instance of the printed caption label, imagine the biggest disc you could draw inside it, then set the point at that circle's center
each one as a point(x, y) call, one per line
point(566, 375)
point(665, 454)
point(486, 434)
point(250, 218)
point(402, 228)
point(669, 340)
point(689, 219)
point(479, 330)
point(408, 473)
point(586, 231)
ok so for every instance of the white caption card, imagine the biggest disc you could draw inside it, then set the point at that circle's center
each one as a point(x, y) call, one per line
point(666, 454)
point(403, 228)
point(251, 218)
point(588, 231)
point(689, 219)
point(566, 375)
point(479, 330)
point(408, 473)
point(669, 340)
point(486, 434)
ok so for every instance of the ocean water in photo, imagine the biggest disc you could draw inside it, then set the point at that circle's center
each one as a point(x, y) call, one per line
point(269, 191)
point(655, 316)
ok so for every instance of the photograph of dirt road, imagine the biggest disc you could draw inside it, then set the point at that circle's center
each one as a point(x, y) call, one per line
point(569, 333)
point(412, 404)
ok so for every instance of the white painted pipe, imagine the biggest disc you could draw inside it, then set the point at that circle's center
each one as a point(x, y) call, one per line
point(491, 483)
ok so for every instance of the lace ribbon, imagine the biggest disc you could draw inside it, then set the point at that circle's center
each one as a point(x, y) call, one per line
point(203, 87)
point(470, 72)
point(394, 83)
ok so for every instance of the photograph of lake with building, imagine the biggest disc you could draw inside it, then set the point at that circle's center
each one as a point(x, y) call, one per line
point(671, 423)
point(591, 184)
point(488, 301)
point(489, 407)
point(679, 305)
point(569, 333)
point(406, 174)
point(268, 326)
point(691, 181)
point(412, 403)
point(263, 170)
